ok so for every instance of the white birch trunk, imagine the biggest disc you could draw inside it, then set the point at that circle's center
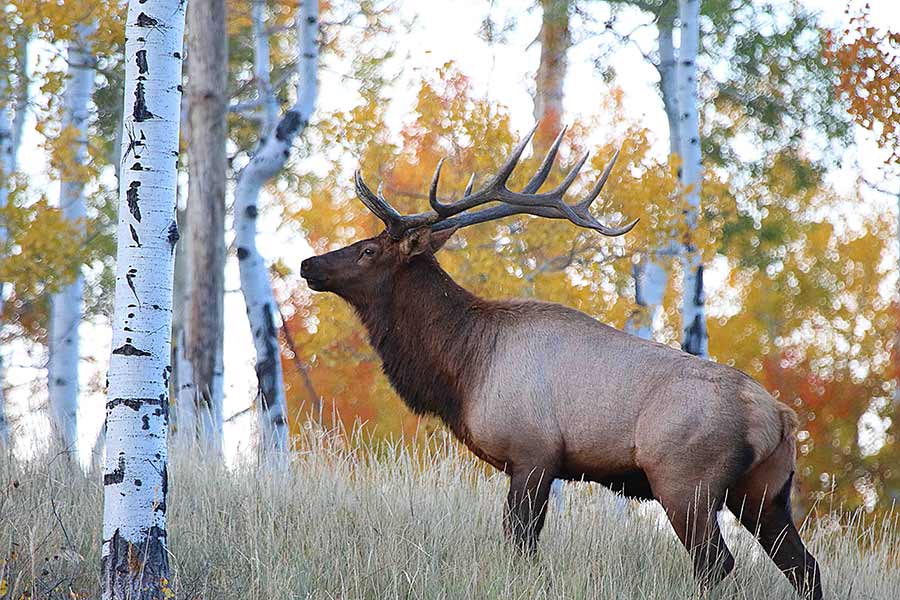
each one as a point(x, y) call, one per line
point(271, 154)
point(134, 556)
point(7, 168)
point(693, 317)
point(650, 275)
point(65, 311)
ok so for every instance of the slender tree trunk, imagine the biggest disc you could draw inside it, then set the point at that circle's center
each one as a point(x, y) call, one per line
point(555, 39)
point(65, 313)
point(11, 126)
point(184, 419)
point(207, 86)
point(134, 556)
point(274, 148)
point(695, 340)
point(7, 168)
point(650, 274)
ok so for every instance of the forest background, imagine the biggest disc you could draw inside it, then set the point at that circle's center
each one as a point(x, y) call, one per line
point(798, 229)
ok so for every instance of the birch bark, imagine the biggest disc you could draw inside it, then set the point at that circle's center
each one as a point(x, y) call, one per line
point(7, 168)
point(694, 340)
point(134, 556)
point(208, 105)
point(271, 154)
point(650, 274)
point(66, 306)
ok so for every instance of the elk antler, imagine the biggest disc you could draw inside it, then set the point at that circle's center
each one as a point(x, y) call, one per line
point(453, 214)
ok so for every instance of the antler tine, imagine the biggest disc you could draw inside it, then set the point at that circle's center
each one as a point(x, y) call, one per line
point(595, 191)
point(535, 183)
point(375, 203)
point(432, 192)
point(509, 166)
point(469, 186)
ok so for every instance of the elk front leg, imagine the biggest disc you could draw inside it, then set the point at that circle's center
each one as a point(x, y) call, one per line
point(526, 506)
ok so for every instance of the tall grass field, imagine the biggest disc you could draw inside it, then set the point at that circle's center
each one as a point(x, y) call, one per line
point(351, 519)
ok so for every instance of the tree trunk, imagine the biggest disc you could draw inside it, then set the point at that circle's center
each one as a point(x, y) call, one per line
point(207, 86)
point(7, 168)
point(650, 274)
point(183, 420)
point(271, 154)
point(134, 556)
point(555, 40)
point(695, 339)
point(65, 312)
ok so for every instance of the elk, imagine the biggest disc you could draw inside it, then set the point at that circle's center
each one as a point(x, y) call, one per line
point(542, 391)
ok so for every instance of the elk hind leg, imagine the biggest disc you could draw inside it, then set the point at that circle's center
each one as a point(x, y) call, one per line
point(693, 515)
point(526, 506)
point(770, 519)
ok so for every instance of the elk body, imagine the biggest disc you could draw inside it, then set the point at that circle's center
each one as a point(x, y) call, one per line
point(542, 391)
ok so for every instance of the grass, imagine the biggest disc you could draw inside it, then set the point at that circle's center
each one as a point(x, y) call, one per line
point(351, 520)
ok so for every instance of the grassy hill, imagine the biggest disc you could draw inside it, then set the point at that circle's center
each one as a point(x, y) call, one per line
point(349, 520)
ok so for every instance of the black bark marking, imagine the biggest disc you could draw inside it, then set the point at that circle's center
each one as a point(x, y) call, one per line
point(129, 350)
point(176, 54)
point(694, 336)
point(242, 253)
point(698, 287)
point(173, 235)
point(310, 20)
point(309, 55)
point(133, 199)
point(137, 240)
point(266, 364)
point(129, 277)
point(137, 167)
point(118, 475)
point(145, 21)
point(288, 126)
point(140, 111)
point(118, 572)
point(145, 422)
point(138, 483)
point(142, 61)
point(133, 143)
point(251, 211)
point(133, 403)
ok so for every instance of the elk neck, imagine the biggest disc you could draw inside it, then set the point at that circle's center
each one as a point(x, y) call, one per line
point(434, 339)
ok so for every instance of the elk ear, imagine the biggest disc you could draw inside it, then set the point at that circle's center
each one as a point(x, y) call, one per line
point(439, 238)
point(423, 239)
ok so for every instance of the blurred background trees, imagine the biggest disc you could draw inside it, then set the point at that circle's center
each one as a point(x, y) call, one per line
point(797, 237)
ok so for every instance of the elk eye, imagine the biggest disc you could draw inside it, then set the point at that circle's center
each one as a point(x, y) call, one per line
point(368, 252)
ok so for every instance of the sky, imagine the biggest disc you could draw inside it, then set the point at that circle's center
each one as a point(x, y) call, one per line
point(440, 32)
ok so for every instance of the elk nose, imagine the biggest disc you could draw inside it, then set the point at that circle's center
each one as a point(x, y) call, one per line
point(306, 267)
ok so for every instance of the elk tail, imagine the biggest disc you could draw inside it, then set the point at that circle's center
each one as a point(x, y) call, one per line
point(789, 421)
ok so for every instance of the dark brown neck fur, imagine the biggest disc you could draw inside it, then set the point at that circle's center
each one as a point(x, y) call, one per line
point(434, 339)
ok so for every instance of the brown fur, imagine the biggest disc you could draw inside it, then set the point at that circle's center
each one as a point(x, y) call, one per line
point(542, 391)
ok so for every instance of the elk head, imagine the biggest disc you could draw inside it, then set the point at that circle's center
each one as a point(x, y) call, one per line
point(360, 271)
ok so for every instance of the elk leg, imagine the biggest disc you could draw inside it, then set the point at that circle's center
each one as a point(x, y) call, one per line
point(526, 506)
point(770, 519)
point(697, 527)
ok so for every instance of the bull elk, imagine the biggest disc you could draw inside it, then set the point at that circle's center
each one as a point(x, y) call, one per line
point(542, 391)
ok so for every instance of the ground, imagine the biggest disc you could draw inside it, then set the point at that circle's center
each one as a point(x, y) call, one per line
point(352, 520)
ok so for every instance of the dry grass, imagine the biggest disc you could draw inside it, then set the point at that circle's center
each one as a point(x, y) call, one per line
point(349, 520)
